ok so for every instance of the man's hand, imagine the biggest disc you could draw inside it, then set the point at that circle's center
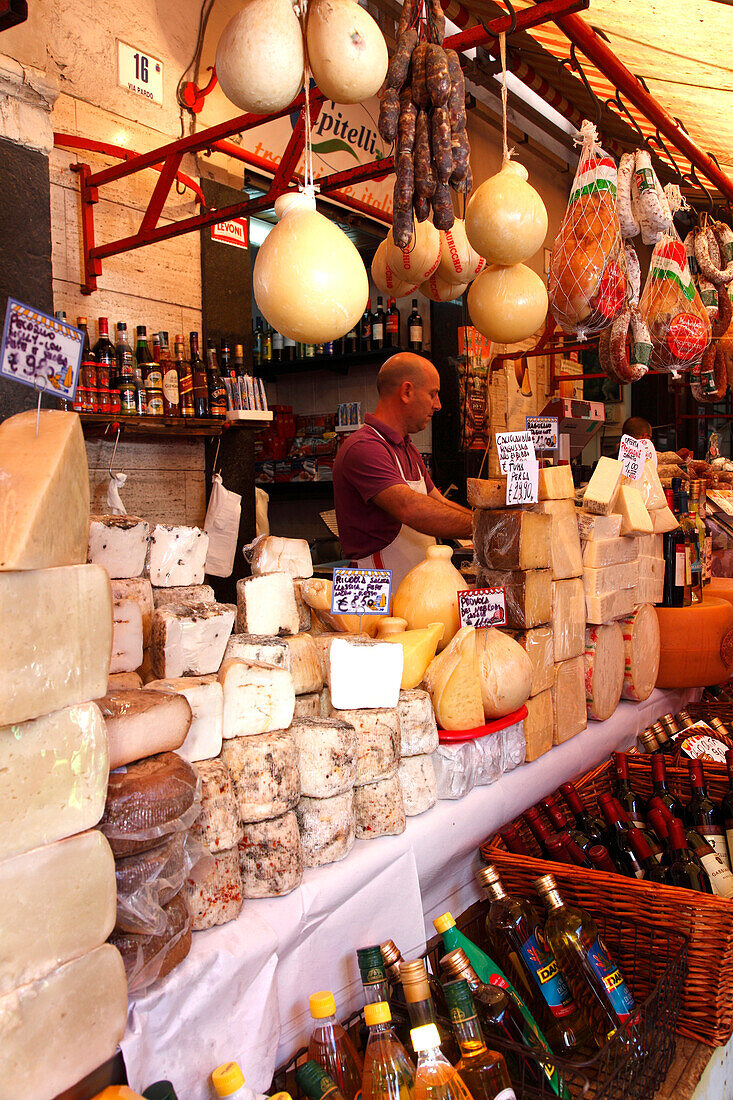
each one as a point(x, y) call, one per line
point(427, 514)
point(436, 494)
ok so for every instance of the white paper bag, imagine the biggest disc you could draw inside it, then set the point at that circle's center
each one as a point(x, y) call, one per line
point(222, 527)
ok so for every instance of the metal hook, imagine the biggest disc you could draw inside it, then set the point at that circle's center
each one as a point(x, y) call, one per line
point(627, 116)
point(659, 141)
point(114, 451)
point(513, 25)
point(698, 182)
point(216, 456)
point(573, 65)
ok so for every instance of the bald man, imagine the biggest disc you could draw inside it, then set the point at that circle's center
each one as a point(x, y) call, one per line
point(387, 507)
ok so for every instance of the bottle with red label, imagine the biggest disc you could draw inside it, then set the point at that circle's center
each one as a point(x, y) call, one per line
point(702, 814)
point(392, 325)
point(88, 371)
point(515, 935)
point(106, 360)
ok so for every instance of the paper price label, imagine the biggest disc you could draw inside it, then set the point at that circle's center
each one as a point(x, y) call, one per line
point(39, 351)
point(361, 591)
point(632, 455)
point(514, 447)
point(544, 432)
point(482, 607)
point(522, 486)
point(650, 451)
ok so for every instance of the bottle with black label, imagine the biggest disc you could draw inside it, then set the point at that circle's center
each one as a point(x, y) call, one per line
point(257, 343)
point(171, 395)
point(217, 393)
point(277, 346)
point(351, 341)
point(414, 328)
point(378, 326)
point(267, 344)
point(125, 372)
point(200, 386)
point(365, 328)
point(152, 379)
point(226, 369)
point(185, 378)
point(392, 325)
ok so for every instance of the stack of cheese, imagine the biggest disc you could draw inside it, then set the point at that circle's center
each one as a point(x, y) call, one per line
point(63, 995)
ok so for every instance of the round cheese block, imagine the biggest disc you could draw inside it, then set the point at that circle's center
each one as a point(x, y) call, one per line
point(270, 857)
point(641, 652)
point(217, 898)
point(418, 729)
point(377, 742)
point(327, 828)
point(379, 809)
point(148, 881)
point(264, 771)
point(419, 787)
point(149, 958)
point(604, 670)
point(145, 802)
point(695, 644)
point(326, 756)
point(218, 823)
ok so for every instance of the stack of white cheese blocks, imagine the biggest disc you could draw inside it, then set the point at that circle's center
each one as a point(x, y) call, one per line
point(63, 994)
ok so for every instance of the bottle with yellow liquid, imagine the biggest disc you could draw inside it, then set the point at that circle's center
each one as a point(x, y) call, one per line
point(435, 1077)
point(315, 1082)
point(388, 1072)
point(331, 1047)
point(228, 1082)
point(420, 1007)
point(484, 1071)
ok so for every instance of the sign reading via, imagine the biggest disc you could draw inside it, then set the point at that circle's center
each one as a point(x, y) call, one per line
point(361, 591)
point(482, 607)
point(139, 72)
point(543, 430)
point(39, 351)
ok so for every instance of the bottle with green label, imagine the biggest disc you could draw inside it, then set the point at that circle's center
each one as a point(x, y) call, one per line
point(315, 1082)
point(484, 1071)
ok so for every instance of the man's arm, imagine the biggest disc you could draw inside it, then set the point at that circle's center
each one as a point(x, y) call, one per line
point(428, 514)
point(437, 495)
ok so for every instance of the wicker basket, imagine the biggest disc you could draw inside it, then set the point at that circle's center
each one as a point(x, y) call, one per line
point(706, 1011)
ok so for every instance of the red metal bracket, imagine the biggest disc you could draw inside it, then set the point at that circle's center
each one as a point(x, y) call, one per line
point(192, 97)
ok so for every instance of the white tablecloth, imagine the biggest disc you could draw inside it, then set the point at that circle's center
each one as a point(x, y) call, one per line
point(242, 993)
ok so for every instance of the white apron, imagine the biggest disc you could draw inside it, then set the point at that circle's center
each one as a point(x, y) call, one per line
point(407, 549)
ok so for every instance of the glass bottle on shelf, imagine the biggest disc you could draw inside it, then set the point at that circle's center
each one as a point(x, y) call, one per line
point(484, 1071)
point(217, 392)
point(151, 373)
point(331, 1047)
point(388, 1072)
point(684, 870)
point(267, 344)
point(702, 814)
point(378, 321)
point(628, 798)
point(238, 361)
point(185, 378)
point(278, 342)
point(421, 1009)
point(257, 343)
point(415, 329)
point(351, 341)
point(680, 511)
point(88, 373)
point(365, 328)
point(435, 1077)
point(171, 396)
point(200, 384)
point(675, 562)
point(688, 525)
point(392, 325)
point(660, 789)
point(316, 1083)
point(125, 376)
point(288, 349)
point(697, 512)
point(106, 360)
point(594, 977)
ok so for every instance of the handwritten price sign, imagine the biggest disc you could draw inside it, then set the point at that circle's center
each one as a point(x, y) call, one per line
point(361, 591)
point(522, 484)
point(544, 432)
point(632, 454)
point(482, 607)
point(39, 351)
point(514, 447)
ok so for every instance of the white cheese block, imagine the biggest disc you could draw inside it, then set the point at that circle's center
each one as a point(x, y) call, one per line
point(609, 552)
point(54, 777)
point(327, 828)
point(205, 697)
point(663, 520)
point(190, 640)
point(602, 489)
point(379, 809)
point(539, 645)
point(256, 700)
point(565, 556)
point(218, 825)
point(272, 554)
point(651, 546)
point(266, 605)
point(127, 636)
point(186, 594)
point(609, 578)
point(264, 771)
point(592, 528)
point(44, 483)
point(308, 706)
point(648, 590)
point(142, 723)
point(568, 618)
point(604, 670)
point(124, 681)
point(556, 483)
point(56, 631)
point(176, 556)
point(327, 751)
point(419, 787)
point(258, 650)
point(568, 700)
point(270, 857)
point(217, 898)
point(614, 605)
point(634, 515)
point(377, 742)
point(58, 1029)
point(650, 568)
point(418, 728)
point(363, 674)
point(305, 663)
point(63, 905)
point(119, 543)
point(140, 590)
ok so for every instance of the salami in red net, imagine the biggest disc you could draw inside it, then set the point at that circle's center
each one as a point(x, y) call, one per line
point(587, 279)
point(677, 320)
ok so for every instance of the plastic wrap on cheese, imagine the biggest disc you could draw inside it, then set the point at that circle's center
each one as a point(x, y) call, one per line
point(568, 618)
point(176, 556)
point(271, 554)
point(461, 767)
point(149, 801)
point(148, 958)
point(150, 880)
point(512, 539)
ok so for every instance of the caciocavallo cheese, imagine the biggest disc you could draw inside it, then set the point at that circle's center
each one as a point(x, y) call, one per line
point(454, 683)
point(56, 630)
point(205, 697)
point(379, 809)
point(190, 640)
point(270, 857)
point(264, 771)
point(266, 605)
point(505, 672)
point(176, 556)
point(256, 699)
point(418, 784)
point(327, 755)
point(327, 828)
point(218, 897)
point(218, 824)
point(45, 490)
point(418, 729)
point(119, 544)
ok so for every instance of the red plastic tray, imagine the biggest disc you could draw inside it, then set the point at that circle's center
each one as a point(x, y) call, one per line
point(453, 737)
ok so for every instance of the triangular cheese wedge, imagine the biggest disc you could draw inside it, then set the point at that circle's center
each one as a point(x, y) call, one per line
point(453, 681)
point(419, 648)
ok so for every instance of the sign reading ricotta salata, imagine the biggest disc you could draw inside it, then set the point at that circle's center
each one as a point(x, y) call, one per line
point(361, 591)
point(139, 72)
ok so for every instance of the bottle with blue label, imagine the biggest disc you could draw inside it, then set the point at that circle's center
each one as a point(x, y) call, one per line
point(516, 935)
point(593, 976)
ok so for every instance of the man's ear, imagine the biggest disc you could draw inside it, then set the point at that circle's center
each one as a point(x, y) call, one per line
point(406, 390)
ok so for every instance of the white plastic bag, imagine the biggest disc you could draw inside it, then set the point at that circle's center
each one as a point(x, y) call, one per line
point(222, 527)
point(114, 500)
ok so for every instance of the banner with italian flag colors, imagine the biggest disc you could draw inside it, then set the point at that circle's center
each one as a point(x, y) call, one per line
point(669, 261)
point(594, 174)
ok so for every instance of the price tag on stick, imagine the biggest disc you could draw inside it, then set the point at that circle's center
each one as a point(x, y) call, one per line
point(522, 484)
point(544, 432)
point(482, 607)
point(632, 454)
point(361, 591)
point(39, 351)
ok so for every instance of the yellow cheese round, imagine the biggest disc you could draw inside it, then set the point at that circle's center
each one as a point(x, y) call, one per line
point(506, 220)
point(507, 304)
point(259, 58)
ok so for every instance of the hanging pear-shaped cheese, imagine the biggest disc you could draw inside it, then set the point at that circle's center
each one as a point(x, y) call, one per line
point(421, 257)
point(506, 220)
point(452, 679)
point(384, 277)
point(316, 591)
point(346, 50)
point(309, 280)
point(429, 593)
point(438, 290)
point(418, 647)
point(259, 58)
point(459, 262)
point(507, 304)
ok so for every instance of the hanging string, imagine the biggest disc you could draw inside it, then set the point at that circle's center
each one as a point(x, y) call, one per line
point(502, 54)
point(308, 186)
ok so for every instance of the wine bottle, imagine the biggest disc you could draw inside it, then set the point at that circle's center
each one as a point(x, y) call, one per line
point(652, 839)
point(392, 325)
point(590, 826)
point(628, 798)
point(556, 850)
point(484, 1071)
point(601, 860)
point(378, 326)
point(414, 328)
point(577, 855)
point(619, 846)
point(673, 593)
point(684, 871)
point(659, 787)
point(513, 841)
point(559, 822)
point(538, 828)
point(717, 871)
point(702, 814)
point(365, 328)
point(651, 869)
point(659, 823)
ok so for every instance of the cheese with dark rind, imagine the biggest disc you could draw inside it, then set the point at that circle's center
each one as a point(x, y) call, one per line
point(327, 828)
point(565, 557)
point(148, 958)
point(190, 641)
point(218, 825)
point(270, 857)
point(56, 631)
point(528, 594)
point(142, 723)
point(604, 670)
point(148, 881)
point(487, 492)
point(264, 771)
point(258, 650)
point(327, 753)
point(124, 681)
point(379, 809)
point(217, 898)
point(176, 556)
point(146, 801)
point(512, 539)
point(119, 544)
point(377, 742)
point(418, 784)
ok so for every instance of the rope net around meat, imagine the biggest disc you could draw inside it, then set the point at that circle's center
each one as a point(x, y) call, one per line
point(587, 282)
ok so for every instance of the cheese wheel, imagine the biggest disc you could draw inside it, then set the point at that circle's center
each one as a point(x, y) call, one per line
point(270, 857)
point(304, 663)
point(694, 644)
point(264, 771)
point(641, 652)
point(418, 728)
point(185, 594)
point(327, 828)
point(379, 809)
point(146, 801)
point(217, 898)
point(149, 958)
point(604, 670)
point(377, 742)
point(327, 751)
point(148, 881)
point(307, 706)
point(419, 787)
point(218, 823)
point(141, 723)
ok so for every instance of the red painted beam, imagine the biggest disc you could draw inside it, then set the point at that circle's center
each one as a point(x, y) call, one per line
point(597, 51)
point(88, 145)
point(542, 12)
point(160, 193)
